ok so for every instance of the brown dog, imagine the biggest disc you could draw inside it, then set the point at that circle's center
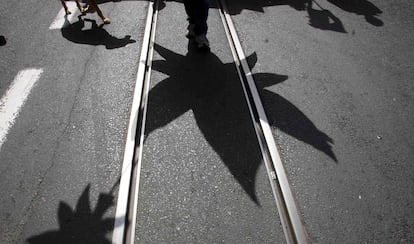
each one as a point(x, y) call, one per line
point(91, 4)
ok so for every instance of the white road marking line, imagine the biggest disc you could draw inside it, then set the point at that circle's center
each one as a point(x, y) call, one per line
point(59, 22)
point(14, 98)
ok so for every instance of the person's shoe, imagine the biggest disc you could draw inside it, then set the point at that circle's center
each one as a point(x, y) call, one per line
point(190, 31)
point(202, 43)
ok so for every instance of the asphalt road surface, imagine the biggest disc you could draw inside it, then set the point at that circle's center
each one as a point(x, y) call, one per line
point(336, 81)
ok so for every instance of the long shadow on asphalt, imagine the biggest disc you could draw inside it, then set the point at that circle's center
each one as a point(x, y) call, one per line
point(205, 85)
point(96, 35)
point(361, 7)
point(81, 224)
point(319, 17)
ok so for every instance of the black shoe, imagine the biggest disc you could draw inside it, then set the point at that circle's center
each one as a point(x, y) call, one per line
point(202, 43)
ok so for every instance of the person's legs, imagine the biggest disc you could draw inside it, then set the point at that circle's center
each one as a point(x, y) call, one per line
point(189, 6)
point(197, 12)
point(200, 16)
point(189, 9)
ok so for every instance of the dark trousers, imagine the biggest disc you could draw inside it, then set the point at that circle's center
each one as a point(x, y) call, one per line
point(197, 12)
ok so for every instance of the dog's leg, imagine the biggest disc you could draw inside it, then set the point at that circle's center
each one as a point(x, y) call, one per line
point(93, 4)
point(65, 7)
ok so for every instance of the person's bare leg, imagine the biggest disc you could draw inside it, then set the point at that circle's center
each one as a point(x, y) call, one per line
point(93, 4)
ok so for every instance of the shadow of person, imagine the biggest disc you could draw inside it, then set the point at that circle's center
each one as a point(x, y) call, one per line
point(82, 224)
point(210, 88)
point(324, 19)
point(361, 7)
point(96, 35)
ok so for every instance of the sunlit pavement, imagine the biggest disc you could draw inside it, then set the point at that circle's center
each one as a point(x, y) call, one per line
point(335, 79)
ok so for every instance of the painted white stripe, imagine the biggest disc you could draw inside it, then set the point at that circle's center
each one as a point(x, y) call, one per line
point(14, 98)
point(60, 20)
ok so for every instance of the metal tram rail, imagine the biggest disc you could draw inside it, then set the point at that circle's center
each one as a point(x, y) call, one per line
point(126, 212)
